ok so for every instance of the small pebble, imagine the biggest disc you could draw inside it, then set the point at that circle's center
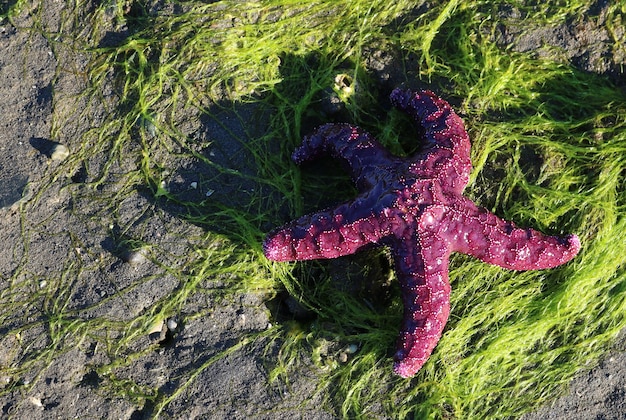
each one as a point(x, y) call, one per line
point(135, 257)
point(35, 401)
point(4, 381)
point(59, 152)
point(172, 324)
point(351, 349)
point(148, 125)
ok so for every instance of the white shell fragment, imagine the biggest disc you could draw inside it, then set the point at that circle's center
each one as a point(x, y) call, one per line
point(156, 328)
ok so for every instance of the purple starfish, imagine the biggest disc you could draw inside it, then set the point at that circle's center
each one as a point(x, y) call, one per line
point(415, 207)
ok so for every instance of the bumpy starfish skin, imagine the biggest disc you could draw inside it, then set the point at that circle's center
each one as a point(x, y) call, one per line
point(415, 207)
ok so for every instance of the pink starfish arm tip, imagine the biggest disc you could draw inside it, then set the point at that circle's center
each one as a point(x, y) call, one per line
point(477, 232)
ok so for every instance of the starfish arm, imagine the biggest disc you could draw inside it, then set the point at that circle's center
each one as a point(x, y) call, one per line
point(363, 153)
point(477, 232)
point(447, 150)
point(326, 234)
point(422, 270)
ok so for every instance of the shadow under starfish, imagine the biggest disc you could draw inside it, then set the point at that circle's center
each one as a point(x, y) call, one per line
point(415, 207)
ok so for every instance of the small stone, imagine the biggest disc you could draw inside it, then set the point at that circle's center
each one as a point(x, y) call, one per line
point(348, 350)
point(193, 185)
point(51, 149)
point(5, 381)
point(59, 152)
point(36, 402)
point(172, 324)
point(147, 123)
point(135, 257)
point(351, 349)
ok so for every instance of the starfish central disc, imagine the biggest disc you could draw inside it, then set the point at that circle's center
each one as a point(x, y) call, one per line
point(413, 206)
